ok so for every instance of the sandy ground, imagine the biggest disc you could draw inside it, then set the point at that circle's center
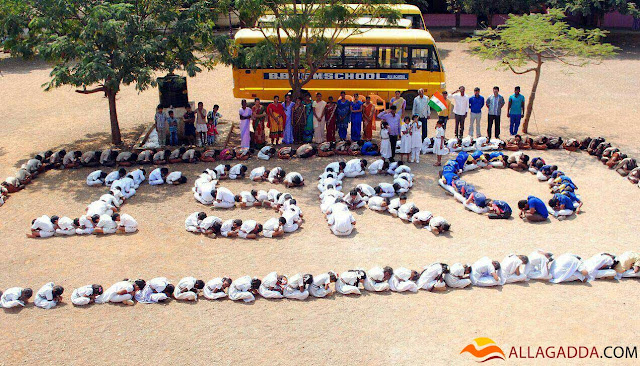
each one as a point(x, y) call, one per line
point(371, 329)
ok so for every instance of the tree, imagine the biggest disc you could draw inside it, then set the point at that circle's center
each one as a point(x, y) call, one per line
point(596, 9)
point(524, 43)
point(423, 5)
point(456, 7)
point(100, 45)
point(301, 36)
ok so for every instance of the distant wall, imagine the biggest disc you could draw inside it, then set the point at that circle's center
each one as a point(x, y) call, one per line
point(611, 20)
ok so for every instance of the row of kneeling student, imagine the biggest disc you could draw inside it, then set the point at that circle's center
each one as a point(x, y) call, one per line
point(46, 227)
point(612, 157)
point(539, 265)
point(133, 179)
point(289, 220)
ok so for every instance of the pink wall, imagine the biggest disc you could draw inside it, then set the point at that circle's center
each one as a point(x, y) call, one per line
point(611, 20)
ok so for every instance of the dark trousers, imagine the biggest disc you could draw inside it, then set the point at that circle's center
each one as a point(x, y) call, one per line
point(460, 125)
point(393, 139)
point(444, 120)
point(493, 119)
point(502, 216)
point(424, 127)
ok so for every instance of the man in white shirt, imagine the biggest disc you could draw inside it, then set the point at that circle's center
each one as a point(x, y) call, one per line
point(293, 179)
point(259, 174)
point(274, 227)
point(460, 110)
point(157, 176)
point(157, 290)
point(176, 178)
point(224, 198)
point(188, 288)
point(127, 224)
point(96, 178)
point(422, 110)
point(86, 294)
point(43, 227)
point(15, 296)
point(237, 171)
point(85, 224)
point(107, 224)
point(65, 227)
point(193, 221)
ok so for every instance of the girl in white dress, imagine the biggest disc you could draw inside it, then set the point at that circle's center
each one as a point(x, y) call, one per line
point(438, 146)
point(405, 139)
point(416, 139)
point(385, 144)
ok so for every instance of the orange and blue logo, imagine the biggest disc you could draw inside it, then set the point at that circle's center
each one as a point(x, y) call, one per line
point(484, 349)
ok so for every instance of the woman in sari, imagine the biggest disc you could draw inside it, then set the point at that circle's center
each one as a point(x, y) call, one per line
point(368, 118)
point(288, 122)
point(330, 117)
point(400, 103)
point(318, 119)
point(245, 123)
point(258, 114)
point(277, 118)
point(299, 120)
point(356, 118)
point(343, 110)
point(307, 134)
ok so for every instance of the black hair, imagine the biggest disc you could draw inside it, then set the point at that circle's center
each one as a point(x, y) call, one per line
point(202, 215)
point(296, 179)
point(364, 161)
point(216, 227)
point(122, 172)
point(522, 204)
point(259, 227)
point(26, 293)
point(115, 216)
point(97, 289)
point(168, 290)
point(332, 276)
point(140, 283)
point(292, 201)
point(282, 220)
point(354, 192)
point(54, 219)
point(164, 171)
point(388, 270)
point(255, 284)
point(57, 290)
point(496, 265)
point(182, 180)
point(76, 221)
point(199, 284)
point(446, 226)
point(237, 222)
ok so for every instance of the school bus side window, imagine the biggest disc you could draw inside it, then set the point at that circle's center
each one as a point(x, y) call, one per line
point(425, 59)
point(334, 60)
point(359, 57)
point(393, 57)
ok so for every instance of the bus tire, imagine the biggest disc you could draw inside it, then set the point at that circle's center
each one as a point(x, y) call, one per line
point(409, 96)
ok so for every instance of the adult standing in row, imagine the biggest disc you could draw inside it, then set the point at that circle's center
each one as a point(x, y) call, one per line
point(400, 103)
point(161, 125)
point(344, 114)
point(443, 115)
point(276, 117)
point(245, 125)
point(392, 117)
point(189, 119)
point(368, 118)
point(515, 110)
point(330, 119)
point(422, 110)
point(494, 104)
point(307, 135)
point(476, 102)
point(356, 117)
point(319, 106)
point(201, 125)
point(299, 119)
point(258, 115)
point(288, 123)
point(460, 110)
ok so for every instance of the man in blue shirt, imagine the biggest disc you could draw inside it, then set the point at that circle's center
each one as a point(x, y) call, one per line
point(515, 111)
point(476, 102)
point(562, 206)
point(533, 209)
point(499, 210)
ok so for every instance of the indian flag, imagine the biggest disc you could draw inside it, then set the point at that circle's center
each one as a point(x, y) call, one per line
point(437, 102)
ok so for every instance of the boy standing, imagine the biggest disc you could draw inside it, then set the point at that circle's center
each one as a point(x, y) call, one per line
point(173, 129)
point(161, 125)
point(212, 125)
point(189, 125)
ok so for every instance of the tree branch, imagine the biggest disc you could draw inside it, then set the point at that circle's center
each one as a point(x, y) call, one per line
point(91, 91)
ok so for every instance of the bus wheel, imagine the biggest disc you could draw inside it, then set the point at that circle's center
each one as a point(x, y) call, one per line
point(409, 96)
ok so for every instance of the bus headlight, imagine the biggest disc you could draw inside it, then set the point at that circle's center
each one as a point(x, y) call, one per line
point(443, 86)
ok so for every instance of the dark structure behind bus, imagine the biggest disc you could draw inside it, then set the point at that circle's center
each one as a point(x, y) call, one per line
point(173, 91)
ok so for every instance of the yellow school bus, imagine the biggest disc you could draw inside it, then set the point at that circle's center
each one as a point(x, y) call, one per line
point(410, 12)
point(371, 61)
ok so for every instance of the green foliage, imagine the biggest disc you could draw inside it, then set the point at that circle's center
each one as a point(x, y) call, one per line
point(422, 4)
point(300, 36)
point(597, 7)
point(108, 43)
point(491, 7)
point(522, 39)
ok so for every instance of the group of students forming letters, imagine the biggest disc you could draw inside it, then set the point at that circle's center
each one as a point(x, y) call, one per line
point(207, 192)
point(539, 265)
point(564, 202)
point(336, 205)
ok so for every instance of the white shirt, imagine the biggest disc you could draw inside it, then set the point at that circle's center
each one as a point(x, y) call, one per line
point(127, 221)
point(156, 174)
point(93, 176)
point(366, 189)
point(106, 222)
point(273, 173)
point(387, 189)
point(192, 220)
point(66, 223)
point(289, 177)
point(353, 166)
point(85, 222)
point(173, 177)
point(98, 208)
point(461, 103)
point(43, 223)
point(271, 225)
point(421, 106)
point(341, 221)
point(226, 227)
point(235, 171)
point(248, 226)
point(225, 195)
point(219, 170)
point(257, 172)
point(376, 166)
point(111, 177)
point(208, 222)
point(247, 197)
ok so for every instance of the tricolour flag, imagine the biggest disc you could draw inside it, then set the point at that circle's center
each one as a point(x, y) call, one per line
point(437, 102)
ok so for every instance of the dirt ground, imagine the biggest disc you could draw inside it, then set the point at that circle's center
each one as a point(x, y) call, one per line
point(371, 329)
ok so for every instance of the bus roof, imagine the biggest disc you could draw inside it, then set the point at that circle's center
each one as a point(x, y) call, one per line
point(398, 36)
point(402, 8)
point(364, 22)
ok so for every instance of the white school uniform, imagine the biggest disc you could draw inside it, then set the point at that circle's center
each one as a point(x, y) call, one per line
point(387, 190)
point(594, 264)
point(173, 177)
point(127, 222)
point(235, 171)
point(319, 287)
point(431, 278)
point(138, 177)
point(81, 295)
point(224, 198)
point(289, 177)
point(99, 208)
point(416, 141)
point(257, 172)
point(403, 211)
point(11, 298)
point(341, 223)
point(482, 273)
point(44, 226)
point(94, 179)
point(292, 289)
point(270, 227)
point(152, 291)
point(107, 224)
point(213, 289)
point(375, 203)
point(268, 287)
point(292, 221)
point(86, 225)
point(347, 284)
point(44, 297)
point(375, 280)
point(273, 173)
point(155, 177)
point(65, 226)
point(111, 294)
point(376, 167)
point(239, 289)
point(400, 281)
point(427, 145)
point(203, 193)
point(385, 144)
point(539, 267)
point(112, 200)
point(226, 228)
point(404, 185)
point(566, 268)
point(353, 168)
point(208, 222)
point(111, 177)
point(405, 138)
point(366, 191)
point(456, 277)
point(509, 265)
point(192, 224)
point(246, 228)
point(185, 289)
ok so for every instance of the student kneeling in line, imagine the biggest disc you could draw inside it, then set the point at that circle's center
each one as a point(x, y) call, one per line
point(533, 209)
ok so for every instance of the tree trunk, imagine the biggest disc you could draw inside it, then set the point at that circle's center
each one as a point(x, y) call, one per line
point(116, 139)
point(457, 19)
point(532, 97)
